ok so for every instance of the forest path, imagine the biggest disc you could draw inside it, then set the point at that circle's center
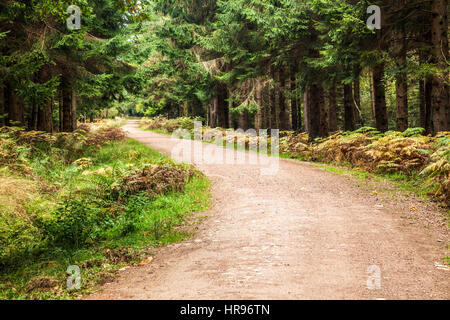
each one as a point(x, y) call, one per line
point(303, 233)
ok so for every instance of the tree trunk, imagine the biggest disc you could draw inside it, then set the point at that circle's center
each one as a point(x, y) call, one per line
point(402, 102)
point(357, 99)
point(401, 80)
point(428, 104)
point(439, 93)
point(14, 107)
point(274, 103)
point(299, 109)
point(271, 121)
point(372, 96)
point(315, 114)
point(349, 124)
point(45, 120)
point(60, 110)
point(213, 112)
point(332, 108)
point(294, 104)
point(231, 116)
point(305, 110)
point(66, 106)
point(6, 98)
point(323, 130)
point(264, 99)
point(73, 110)
point(34, 117)
point(243, 120)
point(2, 105)
point(44, 114)
point(259, 112)
point(222, 108)
point(422, 110)
point(283, 115)
point(379, 98)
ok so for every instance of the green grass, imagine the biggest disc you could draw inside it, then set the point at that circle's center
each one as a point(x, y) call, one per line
point(142, 222)
point(399, 181)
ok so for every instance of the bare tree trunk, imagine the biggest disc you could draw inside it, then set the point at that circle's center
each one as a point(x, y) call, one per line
point(66, 106)
point(60, 110)
point(299, 109)
point(73, 110)
point(425, 85)
point(222, 110)
point(44, 114)
point(440, 94)
point(271, 109)
point(243, 120)
point(402, 102)
point(323, 112)
point(357, 116)
point(372, 97)
point(264, 100)
point(332, 108)
point(401, 80)
point(6, 98)
point(305, 110)
point(259, 112)
point(274, 103)
point(45, 122)
point(349, 124)
point(283, 115)
point(422, 110)
point(15, 107)
point(315, 113)
point(2, 105)
point(34, 117)
point(213, 112)
point(231, 116)
point(379, 98)
point(294, 104)
point(428, 104)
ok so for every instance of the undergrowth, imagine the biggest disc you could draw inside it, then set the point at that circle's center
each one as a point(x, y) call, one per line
point(407, 156)
point(91, 198)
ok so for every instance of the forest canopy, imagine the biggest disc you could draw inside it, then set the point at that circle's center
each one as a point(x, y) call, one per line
point(301, 65)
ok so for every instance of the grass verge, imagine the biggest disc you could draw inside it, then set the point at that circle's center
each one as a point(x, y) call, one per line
point(126, 232)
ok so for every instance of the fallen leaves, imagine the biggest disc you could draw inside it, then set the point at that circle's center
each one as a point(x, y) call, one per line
point(145, 261)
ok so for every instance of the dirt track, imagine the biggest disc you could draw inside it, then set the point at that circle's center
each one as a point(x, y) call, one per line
point(303, 233)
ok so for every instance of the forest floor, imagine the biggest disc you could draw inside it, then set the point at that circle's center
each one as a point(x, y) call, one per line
point(304, 233)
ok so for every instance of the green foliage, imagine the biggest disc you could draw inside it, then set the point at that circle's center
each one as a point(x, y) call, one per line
point(413, 132)
point(107, 192)
point(169, 125)
point(37, 51)
point(71, 225)
point(438, 171)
